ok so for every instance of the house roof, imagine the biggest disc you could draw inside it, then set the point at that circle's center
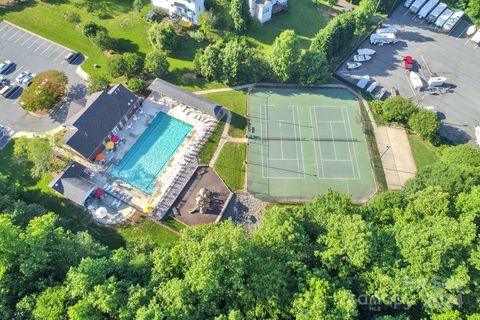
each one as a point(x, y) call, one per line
point(101, 113)
point(192, 100)
point(71, 184)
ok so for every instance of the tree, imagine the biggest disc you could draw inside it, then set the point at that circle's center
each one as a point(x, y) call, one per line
point(46, 90)
point(207, 62)
point(103, 40)
point(51, 304)
point(238, 62)
point(156, 63)
point(208, 21)
point(138, 5)
point(90, 29)
point(397, 109)
point(133, 63)
point(463, 154)
point(285, 55)
point(97, 83)
point(116, 65)
point(38, 151)
point(425, 123)
point(137, 85)
point(313, 68)
point(163, 36)
point(239, 14)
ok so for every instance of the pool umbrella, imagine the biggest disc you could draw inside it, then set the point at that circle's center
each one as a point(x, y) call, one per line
point(115, 138)
point(99, 193)
point(101, 212)
point(109, 145)
point(99, 157)
point(148, 208)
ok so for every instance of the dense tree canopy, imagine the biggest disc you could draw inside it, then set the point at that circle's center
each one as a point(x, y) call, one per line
point(163, 36)
point(425, 123)
point(313, 68)
point(285, 56)
point(397, 109)
point(409, 254)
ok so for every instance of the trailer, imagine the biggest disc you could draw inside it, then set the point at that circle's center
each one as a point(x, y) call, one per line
point(407, 3)
point(436, 12)
point(416, 81)
point(386, 30)
point(443, 18)
point(423, 13)
point(436, 81)
point(408, 63)
point(383, 38)
point(453, 20)
point(417, 5)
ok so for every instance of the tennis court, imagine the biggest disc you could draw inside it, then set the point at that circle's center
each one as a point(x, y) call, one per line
point(305, 141)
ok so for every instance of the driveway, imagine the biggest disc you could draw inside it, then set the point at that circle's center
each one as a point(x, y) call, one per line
point(35, 54)
point(450, 55)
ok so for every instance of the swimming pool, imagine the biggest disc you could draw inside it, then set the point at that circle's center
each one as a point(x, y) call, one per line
point(151, 153)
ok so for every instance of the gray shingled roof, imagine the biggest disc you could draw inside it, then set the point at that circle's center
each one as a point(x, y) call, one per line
point(103, 110)
point(71, 184)
point(186, 97)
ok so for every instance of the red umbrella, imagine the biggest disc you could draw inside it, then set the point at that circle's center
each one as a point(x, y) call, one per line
point(99, 193)
point(115, 138)
point(99, 157)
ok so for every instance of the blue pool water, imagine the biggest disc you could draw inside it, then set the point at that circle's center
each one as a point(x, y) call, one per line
point(151, 153)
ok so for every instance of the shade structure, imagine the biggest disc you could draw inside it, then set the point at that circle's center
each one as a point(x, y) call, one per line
point(101, 212)
point(115, 138)
point(99, 193)
point(99, 157)
point(109, 145)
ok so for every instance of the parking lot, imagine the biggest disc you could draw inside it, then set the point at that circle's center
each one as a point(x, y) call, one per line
point(449, 55)
point(32, 53)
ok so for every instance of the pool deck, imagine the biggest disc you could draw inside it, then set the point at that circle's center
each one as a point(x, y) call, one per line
point(168, 181)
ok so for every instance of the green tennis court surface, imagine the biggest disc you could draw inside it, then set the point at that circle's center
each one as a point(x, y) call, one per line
point(305, 141)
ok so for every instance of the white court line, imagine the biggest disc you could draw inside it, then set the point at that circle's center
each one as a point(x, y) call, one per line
point(31, 44)
point(296, 145)
point(314, 129)
point(348, 144)
point(286, 159)
point(281, 139)
point(354, 151)
point(333, 139)
point(327, 121)
point(13, 35)
point(27, 40)
point(262, 141)
point(23, 35)
point(51, 44)
point(300, 141)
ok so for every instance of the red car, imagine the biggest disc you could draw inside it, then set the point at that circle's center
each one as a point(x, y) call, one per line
point(408, 60)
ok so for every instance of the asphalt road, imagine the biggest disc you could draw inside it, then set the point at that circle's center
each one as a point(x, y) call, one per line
point(35, 54)
point(450, 55)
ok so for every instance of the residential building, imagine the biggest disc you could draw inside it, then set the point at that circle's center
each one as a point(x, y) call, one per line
point(264, 9)
point(187, 10)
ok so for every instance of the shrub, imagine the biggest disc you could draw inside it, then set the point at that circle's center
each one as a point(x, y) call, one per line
point(46, 90)
point(137, 85)
point(156, 63)
point(425, 123)
point(97, 83)
point(38, 151)
point(90, 29)
point(163, 36)
point(127, 64)
point(116, 65)
point(397, 109)
point(72, 17)
point(313, 68)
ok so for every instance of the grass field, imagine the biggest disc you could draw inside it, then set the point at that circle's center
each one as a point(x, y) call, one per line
point(72, 217)
point(424, 153)
point(130, 30)
point(236, 102)
point(148, 231)
point(230, 165)
point(208, 149)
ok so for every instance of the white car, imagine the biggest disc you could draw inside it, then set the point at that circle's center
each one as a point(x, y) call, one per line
point(21, 76)
point(6, 65)
point(27, 80)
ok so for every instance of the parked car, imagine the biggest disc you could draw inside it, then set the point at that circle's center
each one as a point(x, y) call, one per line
point(6, 65)
point(71, 57)
point(3, 82)
point(28, 79)
point(21, 76)
point(408, 63)
point(11, 90)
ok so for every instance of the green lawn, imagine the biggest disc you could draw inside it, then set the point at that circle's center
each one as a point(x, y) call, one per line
point(424, 153)
point(206, 154)
point(236, 102)
point(148, 231)
point(303, 16)
point(72, 217)
point(174, 224)
point(231, 164)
